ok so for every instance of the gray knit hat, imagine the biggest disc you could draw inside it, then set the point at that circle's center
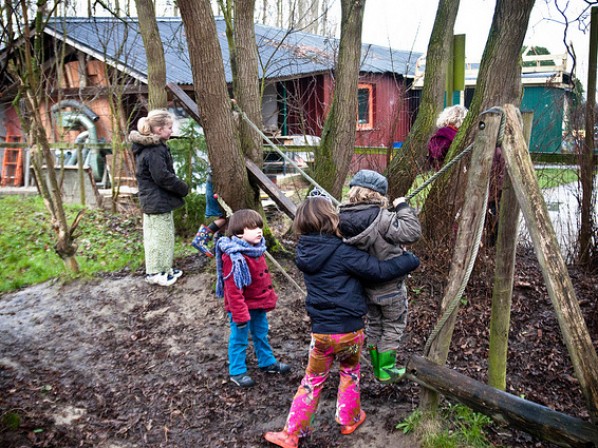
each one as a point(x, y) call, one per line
point(370, 179)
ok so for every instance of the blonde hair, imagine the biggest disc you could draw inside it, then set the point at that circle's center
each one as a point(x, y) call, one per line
point(316, 215)
point(155, 119)
point(453, 115)
point(362, 194)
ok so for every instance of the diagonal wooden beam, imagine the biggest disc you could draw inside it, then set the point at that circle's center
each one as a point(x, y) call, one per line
point(271, 189)
point(187, 103)
point(467, 242)
point(558, 283)
point(255, 173)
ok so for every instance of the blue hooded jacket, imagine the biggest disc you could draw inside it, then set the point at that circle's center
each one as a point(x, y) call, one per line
point(333, 272)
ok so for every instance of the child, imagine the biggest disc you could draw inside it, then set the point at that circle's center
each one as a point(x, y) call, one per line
point(448, 123)
point(367, 224)
point(336, 304)
point(160, 192)
point(213, 212)
point(244, 282)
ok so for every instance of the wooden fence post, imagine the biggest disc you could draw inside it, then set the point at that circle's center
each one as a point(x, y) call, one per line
point(472, 217)
point(560, 288)
point(502, 293)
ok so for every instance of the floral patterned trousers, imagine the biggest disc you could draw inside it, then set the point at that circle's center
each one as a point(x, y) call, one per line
point(323, 350)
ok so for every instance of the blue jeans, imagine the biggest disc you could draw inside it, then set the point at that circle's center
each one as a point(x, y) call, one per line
point(239, 340)
point(213, 208)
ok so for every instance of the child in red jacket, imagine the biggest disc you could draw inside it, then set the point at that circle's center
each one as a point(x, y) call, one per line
point(245, 283)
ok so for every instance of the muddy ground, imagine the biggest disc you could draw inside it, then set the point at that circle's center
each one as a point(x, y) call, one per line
point(115, 363)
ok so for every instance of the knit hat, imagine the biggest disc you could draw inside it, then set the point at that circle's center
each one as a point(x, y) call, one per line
point(370, 179)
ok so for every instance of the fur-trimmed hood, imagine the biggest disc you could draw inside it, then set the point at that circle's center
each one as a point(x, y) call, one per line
point(144, 140)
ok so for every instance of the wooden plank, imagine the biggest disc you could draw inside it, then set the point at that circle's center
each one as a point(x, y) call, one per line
point(271, 189)
point(255, 173)
point(502, 407)
point(504, 276)
point(187, 103)
point(558, 283)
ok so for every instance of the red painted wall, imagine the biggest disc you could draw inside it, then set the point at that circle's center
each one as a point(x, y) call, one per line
point(391, 115)
point(309, 100)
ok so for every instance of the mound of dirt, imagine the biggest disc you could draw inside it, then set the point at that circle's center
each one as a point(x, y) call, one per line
point(115, 363)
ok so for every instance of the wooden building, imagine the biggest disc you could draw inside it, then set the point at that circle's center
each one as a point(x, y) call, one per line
point(91, 60)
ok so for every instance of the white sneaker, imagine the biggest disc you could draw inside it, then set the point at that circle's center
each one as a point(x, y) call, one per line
point(176, 273)
point(162, 279)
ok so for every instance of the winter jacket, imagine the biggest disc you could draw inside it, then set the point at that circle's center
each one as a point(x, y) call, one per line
point(381, 233)
point(439, 145)
point(259, 295)
point(160, 190)
point(333, 272)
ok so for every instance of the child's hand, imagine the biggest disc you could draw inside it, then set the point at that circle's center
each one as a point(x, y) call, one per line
point(407, 262)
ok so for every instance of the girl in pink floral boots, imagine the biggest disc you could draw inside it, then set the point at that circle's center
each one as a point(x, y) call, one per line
point(336, 304)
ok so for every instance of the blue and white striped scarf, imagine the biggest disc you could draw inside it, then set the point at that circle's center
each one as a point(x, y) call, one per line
point(235, 248)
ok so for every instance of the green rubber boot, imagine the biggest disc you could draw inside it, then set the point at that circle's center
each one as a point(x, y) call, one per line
point(374, 358)
point(388, 372)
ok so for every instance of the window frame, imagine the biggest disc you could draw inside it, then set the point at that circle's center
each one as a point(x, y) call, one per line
point(370, 112)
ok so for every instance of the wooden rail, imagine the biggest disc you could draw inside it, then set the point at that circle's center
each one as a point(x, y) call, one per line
point(502, 407)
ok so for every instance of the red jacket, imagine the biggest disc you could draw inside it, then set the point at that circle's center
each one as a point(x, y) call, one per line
point(439, 145)
point(259, 295)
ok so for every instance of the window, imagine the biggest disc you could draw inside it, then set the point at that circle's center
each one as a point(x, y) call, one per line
point(365, 106)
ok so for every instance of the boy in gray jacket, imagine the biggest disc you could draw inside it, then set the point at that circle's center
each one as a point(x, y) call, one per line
point(368, 224)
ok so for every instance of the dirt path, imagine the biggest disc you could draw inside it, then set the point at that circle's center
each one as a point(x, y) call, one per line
point(116, 363)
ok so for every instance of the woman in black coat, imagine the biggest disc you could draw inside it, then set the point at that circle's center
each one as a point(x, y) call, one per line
point(160, 192)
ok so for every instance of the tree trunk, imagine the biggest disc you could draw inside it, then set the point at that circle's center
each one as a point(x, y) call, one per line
point(211, 94)
point(333, 156)
point(156, 66)
point(405, 167)
point(240, 34)
point(245, 80)
point(29, 73)
point(498, 82)
point(504, 274)
point(587, 236)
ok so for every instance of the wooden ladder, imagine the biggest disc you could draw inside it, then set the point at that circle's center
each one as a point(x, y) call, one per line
point(12, 164)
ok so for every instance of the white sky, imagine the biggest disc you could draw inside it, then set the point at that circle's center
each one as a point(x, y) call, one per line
point(408, 24)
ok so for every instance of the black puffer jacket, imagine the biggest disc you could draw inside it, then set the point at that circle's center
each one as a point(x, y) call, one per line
point(333, 272)
point(160, 191)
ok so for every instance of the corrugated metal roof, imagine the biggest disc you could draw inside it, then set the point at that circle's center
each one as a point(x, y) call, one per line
point(284, 53)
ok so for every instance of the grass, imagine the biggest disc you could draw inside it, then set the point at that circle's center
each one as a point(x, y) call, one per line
point(107, 243)
point(458, 426)
point(553, 177)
